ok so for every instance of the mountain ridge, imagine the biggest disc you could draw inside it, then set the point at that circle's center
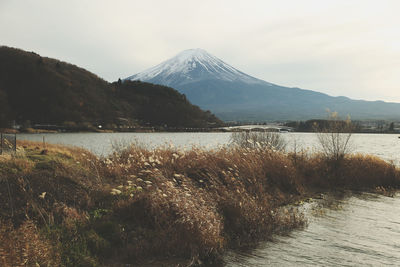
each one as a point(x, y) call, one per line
point(231, 94)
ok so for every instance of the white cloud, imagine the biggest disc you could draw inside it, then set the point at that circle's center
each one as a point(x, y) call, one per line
point(338, 47)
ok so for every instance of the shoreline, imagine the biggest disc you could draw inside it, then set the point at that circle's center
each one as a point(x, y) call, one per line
point(152, 130)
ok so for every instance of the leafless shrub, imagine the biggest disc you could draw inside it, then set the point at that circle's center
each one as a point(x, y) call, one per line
point(122, 144)
point(265, 139)
point(119, 145)
point(334, 138)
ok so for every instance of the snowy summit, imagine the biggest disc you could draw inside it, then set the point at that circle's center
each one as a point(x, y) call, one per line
point(193, 65)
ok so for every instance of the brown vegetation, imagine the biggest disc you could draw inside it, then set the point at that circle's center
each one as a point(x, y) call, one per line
point(80, 210)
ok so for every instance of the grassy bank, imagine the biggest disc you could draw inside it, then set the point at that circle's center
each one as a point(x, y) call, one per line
point(65, 206)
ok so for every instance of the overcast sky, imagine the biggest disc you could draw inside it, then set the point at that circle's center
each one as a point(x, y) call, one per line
point(349, 47)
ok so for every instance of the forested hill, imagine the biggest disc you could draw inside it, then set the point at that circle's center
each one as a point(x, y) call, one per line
point(40, 90)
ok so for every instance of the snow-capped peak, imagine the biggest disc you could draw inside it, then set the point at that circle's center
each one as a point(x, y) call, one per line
point(192, 65)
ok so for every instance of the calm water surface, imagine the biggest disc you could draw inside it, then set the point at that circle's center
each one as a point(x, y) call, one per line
point(102, 143)
point(386, 146)
point(356, 230)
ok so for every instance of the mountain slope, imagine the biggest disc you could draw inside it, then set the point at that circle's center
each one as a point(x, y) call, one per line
point(233, 95)
point(39, 90)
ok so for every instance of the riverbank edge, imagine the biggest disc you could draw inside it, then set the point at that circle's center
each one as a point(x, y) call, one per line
point(189, 206)
point(131, 130)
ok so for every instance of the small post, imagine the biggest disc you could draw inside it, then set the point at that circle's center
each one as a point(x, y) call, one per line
point(44, 143)
point(15, 143)
point(1, 143)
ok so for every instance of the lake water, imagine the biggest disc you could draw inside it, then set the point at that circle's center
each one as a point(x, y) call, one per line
point(362, 230)
point(355, 230)
point(102, 143)
point(386, 146)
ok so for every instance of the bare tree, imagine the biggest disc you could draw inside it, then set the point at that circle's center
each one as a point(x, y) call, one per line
point(335, 136)
point(265, 139)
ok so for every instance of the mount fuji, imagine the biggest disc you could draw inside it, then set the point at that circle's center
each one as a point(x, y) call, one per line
point(233, 95)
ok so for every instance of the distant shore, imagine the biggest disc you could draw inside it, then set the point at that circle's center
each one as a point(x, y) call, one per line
point(130, 130)
point(163, 129)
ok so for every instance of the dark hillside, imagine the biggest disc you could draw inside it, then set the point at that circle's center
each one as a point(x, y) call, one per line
point(160, 105)
point(44, 90)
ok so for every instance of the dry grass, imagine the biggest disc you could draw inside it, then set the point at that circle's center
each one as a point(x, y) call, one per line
point(24, 246)
point(365, 171)
point(140, 203)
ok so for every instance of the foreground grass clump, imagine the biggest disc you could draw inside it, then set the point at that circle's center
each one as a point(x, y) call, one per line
point(64, 206)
